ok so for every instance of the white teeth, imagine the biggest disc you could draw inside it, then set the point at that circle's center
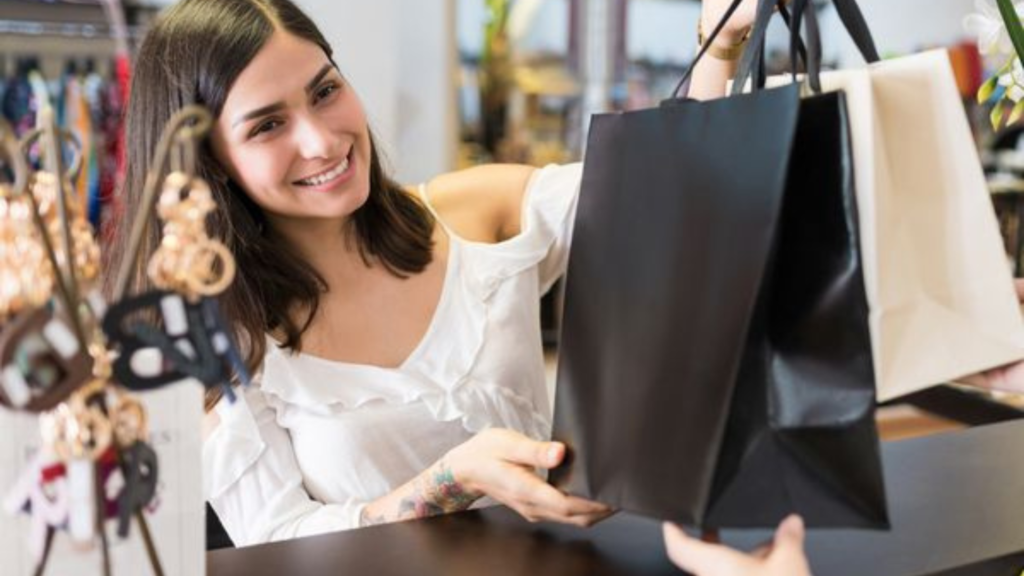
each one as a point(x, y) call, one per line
point(326, 176)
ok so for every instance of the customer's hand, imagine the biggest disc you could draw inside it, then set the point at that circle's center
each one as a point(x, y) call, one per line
point(502, 464)
point(1009, 378)
point(783, 557)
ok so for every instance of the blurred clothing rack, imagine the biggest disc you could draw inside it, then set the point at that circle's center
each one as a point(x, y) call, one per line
point(74, 55)
point(71, 19)
point(62, 29)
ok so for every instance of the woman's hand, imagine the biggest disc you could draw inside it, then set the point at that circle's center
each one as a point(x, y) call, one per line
point(738, 25)
point(712, 72)
point(501, 464)
point(783, 557)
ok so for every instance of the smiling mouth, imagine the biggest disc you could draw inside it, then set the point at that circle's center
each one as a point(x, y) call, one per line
point(326, 177)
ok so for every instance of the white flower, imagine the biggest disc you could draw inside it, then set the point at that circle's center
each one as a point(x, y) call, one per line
point(988, 25)
point(1014, 82)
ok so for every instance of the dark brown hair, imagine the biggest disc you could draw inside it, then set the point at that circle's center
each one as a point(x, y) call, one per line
point(193, 55)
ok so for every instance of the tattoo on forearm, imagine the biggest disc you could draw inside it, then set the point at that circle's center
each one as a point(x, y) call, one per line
point(437, 492)
point(440, 493)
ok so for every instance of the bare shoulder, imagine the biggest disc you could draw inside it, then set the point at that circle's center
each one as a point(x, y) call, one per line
point(482, 203)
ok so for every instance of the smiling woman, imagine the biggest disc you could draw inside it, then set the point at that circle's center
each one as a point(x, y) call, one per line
point(182, 61)
point(304, 158)
point(398, 364)
point(394, 333)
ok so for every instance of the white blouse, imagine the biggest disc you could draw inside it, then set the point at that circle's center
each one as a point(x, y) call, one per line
point(312, 441)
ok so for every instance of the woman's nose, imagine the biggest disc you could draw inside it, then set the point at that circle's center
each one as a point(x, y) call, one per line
point(314, 139)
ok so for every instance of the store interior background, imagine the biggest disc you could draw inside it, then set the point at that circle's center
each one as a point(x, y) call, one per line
point(417, 63)
point(409, 73)
point(407, 58)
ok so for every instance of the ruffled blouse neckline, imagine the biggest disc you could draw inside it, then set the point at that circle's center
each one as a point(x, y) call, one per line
point(436, 320)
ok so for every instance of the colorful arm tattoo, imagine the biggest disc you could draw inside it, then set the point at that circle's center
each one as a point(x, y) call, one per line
point(440, 493)
point(434, 492)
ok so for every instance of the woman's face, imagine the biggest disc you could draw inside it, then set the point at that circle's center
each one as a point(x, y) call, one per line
point(293, 134)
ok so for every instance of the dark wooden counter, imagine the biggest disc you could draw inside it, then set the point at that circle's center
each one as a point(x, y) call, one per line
point(956, 500)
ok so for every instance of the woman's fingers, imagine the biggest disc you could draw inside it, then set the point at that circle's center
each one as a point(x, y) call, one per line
point(519, 449)
point(589, 519)
point(535, 499)
point(502, 463)
point(526, 487)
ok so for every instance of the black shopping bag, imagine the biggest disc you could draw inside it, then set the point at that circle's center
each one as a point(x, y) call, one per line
point(716, 363)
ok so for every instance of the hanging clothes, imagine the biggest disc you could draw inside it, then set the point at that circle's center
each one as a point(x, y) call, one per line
point(19, 107)
point(40, 91)
point(78, 119)
point(93, 89)
point(90, 105)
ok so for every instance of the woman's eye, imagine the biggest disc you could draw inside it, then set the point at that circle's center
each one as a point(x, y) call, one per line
point(325, 91)
point(264, 127)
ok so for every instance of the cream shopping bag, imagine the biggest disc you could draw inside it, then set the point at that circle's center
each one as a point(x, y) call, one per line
point(941, 294)
point(177, 524)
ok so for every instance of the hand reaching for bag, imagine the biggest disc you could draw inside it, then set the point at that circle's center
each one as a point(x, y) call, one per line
point(501, 463)
point(784, 556)
point(1009, 378)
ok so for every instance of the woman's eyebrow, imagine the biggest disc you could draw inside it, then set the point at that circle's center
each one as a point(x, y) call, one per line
point(319, 76)
point(270, 109)
point(257, 113)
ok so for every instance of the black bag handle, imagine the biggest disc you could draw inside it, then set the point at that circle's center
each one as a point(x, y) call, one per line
point(714, 34)
point(752, 62)
point(707, 44)
point(799, 49)
point(751, 65)
point(813, 58)
point(857, 27)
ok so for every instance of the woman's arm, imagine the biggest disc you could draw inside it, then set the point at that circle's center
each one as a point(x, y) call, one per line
point(253, 482)
point(711, 74)
point(495, 463)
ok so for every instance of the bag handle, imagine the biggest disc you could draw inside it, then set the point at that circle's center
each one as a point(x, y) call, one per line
point(801, 49)
point(857, 27)
point(797, 48)
point(714, 34)
point(707, 44)
point(751, 66)
point(813, 58)
point(752, 62)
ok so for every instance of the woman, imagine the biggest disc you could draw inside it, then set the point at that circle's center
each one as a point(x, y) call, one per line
point(393, 332)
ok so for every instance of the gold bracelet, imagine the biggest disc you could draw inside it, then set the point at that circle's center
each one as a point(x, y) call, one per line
point(731, 53)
